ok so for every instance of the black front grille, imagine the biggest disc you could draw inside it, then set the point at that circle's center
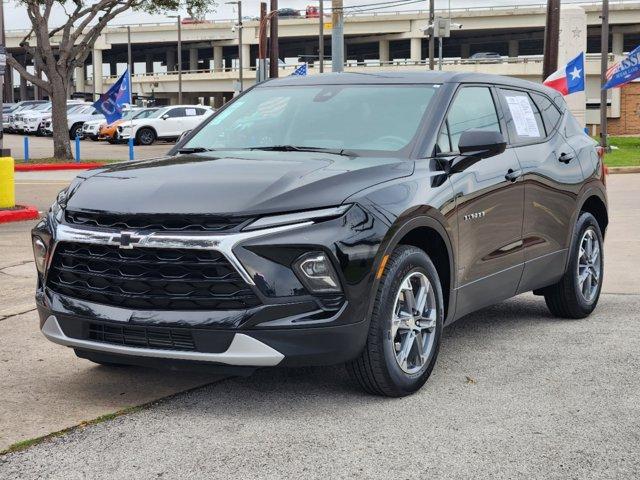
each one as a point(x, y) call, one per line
point(142, 337)
point(176, 223)
point(149, 278)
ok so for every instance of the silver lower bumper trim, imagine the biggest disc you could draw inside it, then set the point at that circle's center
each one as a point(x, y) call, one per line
point(243, 351)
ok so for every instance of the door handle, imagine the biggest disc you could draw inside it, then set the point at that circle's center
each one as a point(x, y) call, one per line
point(513, 175)
point(566, 157)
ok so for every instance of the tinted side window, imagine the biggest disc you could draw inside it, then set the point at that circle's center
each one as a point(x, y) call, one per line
point(175, 112)
point(550, 114)
point(524, 121)
point(472, 109)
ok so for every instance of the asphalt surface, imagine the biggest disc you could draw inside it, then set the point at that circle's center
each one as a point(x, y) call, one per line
point(516, 393)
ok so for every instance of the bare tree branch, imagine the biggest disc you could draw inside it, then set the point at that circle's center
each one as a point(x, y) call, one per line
point(28, 76)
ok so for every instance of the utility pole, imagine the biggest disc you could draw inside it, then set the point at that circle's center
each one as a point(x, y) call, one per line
point(432, 40)
point(240, 59)
point(179, 18)
point(337, 36)
point(321, 36)
point(238, 3)
point(551, 38)
point(129, 65)
point(604, 65)
point(261, 73)
point(273, 41)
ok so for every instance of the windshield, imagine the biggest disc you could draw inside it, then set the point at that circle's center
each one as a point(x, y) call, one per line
point(74, 108)
point(43, 107)
point(377, 118)
point(145, 113)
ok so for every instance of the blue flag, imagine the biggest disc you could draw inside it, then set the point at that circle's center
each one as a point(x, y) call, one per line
point(110, 104)
point(625, 71)
point(301, 71)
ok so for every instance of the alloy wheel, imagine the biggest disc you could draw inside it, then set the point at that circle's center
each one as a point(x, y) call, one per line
point(589, 265)
point(413, 325)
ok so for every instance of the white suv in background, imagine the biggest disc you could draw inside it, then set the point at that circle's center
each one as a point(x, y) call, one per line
point(36, 120)
point(76, 119)
point(167, 123)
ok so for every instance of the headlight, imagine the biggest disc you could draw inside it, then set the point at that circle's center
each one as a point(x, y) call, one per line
point(40, 254)
point(298, 217)
point(316, 273)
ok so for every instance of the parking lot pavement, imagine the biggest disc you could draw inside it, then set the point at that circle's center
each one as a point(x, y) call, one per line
point(515, 394)
point(42, 147)
point(544, 397)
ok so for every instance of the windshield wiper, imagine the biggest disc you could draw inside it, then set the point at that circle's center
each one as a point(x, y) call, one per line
point(294, 148)
point(195, 150)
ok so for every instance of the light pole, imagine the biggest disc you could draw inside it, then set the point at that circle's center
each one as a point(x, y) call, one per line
point(321, 36)
point(3, 62)
point(240, 66)
point(337, 36)
point(604, 65)
point(179, 18)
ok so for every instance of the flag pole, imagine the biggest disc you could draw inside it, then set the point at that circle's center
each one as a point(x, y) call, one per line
point(604, 65)
point(129, 68)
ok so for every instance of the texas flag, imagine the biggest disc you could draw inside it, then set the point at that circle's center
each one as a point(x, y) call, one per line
point(569, 79)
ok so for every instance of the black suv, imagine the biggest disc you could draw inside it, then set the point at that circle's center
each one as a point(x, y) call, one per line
point(328, 219)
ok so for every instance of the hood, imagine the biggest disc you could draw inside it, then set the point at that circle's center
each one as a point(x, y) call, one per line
point(236, 183)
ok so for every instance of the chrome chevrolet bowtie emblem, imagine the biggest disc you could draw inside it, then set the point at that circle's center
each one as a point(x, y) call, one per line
point(126, 240)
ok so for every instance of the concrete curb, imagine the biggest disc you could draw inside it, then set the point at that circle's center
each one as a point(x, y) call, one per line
point(624, 169)
point(25, 212)
point(33, 167)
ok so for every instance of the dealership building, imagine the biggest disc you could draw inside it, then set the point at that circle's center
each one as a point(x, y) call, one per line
point(374, 41)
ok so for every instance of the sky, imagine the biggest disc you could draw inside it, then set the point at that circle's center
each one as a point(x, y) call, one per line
point(16, 17)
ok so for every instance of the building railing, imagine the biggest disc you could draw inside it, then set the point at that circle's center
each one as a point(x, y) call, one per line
point(525, 59)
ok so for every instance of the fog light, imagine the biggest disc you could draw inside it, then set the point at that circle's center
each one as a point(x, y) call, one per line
point(40, 254)
point(316, 273)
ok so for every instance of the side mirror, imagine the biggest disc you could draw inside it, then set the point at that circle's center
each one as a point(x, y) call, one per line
point(475, 145)
point(164, 117)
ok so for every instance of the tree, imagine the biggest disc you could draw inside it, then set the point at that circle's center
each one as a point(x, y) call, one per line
point(58, 50)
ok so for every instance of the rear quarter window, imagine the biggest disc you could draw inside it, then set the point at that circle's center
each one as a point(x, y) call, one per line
point(524, 121)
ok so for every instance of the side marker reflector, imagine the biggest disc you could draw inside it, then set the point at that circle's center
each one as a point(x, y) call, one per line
point(383, 264)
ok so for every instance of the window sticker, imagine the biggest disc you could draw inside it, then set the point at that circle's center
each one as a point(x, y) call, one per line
point(523, 117)
point(190, 112)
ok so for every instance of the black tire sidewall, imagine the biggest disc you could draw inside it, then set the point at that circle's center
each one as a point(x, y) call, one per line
point(411, 260)
point(585, 221)
point(141, 132)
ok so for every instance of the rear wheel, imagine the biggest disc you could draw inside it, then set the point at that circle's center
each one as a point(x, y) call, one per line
point(405, 329)
point(576, 294)
point(145, 136)
point(75, 131)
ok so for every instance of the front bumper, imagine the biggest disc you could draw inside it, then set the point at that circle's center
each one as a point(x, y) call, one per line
point(289, 327)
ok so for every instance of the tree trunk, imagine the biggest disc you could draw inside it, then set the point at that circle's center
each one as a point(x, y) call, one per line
point(61, 144)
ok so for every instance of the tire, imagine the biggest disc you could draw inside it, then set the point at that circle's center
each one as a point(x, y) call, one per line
point(75, 129)
point(379, 369)
point(145, 136)
point(567, 298)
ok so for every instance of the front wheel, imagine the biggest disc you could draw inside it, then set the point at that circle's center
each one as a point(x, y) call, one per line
point(145, 136)
point(75, 131)
point(405, 329)
point(576, 294)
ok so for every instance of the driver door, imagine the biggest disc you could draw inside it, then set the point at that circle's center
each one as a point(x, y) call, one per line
point(172, 122)
point(489, 203)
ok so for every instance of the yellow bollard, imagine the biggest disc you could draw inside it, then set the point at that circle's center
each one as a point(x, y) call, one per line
point(7, 184)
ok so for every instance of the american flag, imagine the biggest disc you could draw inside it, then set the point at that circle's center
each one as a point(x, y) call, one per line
point(301, 71)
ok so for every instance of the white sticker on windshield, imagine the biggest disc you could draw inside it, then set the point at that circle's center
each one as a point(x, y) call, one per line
point(523, 117)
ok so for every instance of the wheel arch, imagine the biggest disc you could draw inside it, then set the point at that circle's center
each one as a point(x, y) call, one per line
point(596, 206)
point(430, 235)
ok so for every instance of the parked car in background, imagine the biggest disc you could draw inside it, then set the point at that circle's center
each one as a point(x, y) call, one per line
point(19, 119)
point(90, 129)
point(288, 12)
point(339, 218)
point(166, 123)
point(109, 132)
point(71, 108)
point(76, 119)
point(9, 117)
point(35, 121)
point(485, 57)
